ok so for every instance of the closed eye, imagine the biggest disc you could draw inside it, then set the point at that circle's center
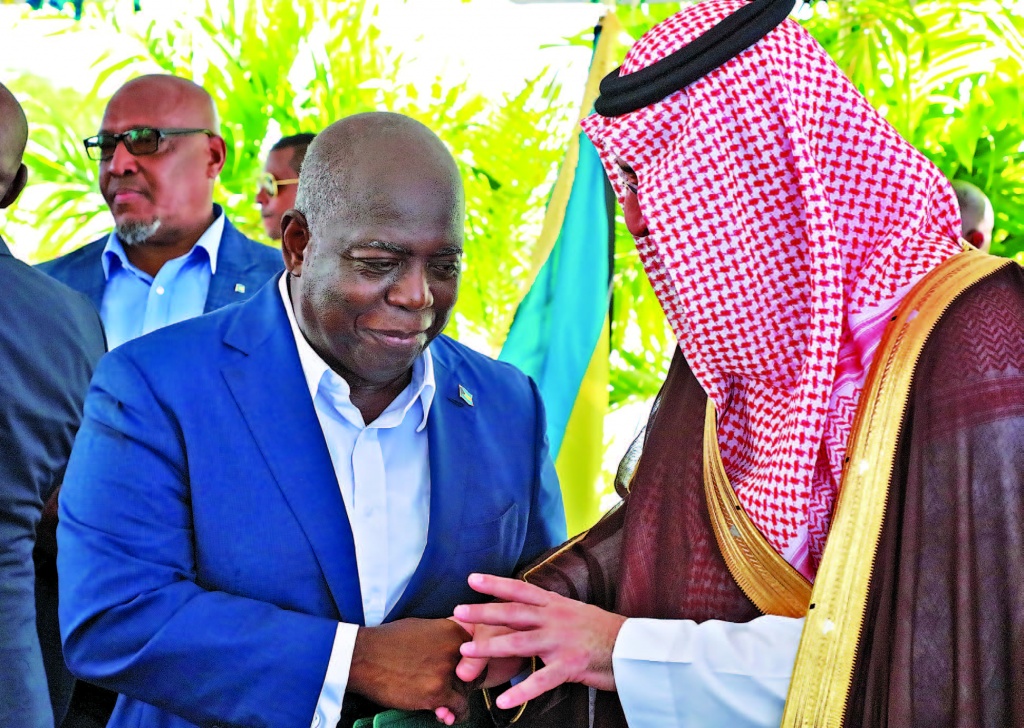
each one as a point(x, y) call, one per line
point(449, 269)
point(382, 265)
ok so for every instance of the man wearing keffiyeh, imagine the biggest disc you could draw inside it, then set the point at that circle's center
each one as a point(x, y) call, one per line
point(825, 526)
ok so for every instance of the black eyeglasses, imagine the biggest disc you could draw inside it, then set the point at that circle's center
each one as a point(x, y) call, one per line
point(139, 142)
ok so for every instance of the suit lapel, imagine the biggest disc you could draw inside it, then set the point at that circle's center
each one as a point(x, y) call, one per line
point(450, 431)
point(89, 278)
point(268, 385)
point(234, 280)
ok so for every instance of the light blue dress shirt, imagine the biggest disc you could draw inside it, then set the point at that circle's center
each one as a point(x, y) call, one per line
point(135, 303)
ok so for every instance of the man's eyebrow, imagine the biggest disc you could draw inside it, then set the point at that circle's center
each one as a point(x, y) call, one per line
point(383, 245)
point(396, 249)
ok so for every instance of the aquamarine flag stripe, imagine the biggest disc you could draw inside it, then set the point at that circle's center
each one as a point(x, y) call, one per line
point(558, 323)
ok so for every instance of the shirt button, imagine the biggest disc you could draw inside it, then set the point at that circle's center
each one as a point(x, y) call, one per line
point(159, 290)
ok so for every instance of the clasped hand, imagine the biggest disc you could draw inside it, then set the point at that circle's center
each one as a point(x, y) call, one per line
point(574, 641)
point(410, 664)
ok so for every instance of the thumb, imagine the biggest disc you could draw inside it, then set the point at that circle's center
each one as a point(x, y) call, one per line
point(470, 669)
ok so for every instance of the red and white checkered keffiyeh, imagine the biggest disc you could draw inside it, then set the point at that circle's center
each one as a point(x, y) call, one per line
point(787, 220)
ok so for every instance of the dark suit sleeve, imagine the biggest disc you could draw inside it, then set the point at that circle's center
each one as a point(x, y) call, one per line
point(133, 618)
point(546, 527)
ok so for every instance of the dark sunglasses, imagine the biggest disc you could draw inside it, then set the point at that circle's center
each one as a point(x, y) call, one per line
point(269, 183)
point(138, 142)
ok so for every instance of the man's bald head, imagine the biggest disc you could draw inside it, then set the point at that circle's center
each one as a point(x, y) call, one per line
point(162, 197)
point(159, 92)
point(355, 168)
point(976, 214)
point(13, 137)
point(374, 249)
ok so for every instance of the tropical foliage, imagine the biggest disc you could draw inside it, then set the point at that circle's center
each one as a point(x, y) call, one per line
point(944, 73)
point(947, 76)
point(327, 62)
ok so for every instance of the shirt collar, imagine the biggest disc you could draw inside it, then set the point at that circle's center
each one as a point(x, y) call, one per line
point(208, 241)
point(314, 367)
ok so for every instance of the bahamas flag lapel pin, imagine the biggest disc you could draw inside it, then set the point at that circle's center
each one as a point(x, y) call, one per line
point(465, 395)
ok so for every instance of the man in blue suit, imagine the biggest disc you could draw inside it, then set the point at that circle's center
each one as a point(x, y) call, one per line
point(173, 254)
point(50, 341)
point(270, 510)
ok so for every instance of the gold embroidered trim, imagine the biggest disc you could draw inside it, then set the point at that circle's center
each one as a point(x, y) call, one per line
point(533, 660)
point(768, 580)
point(522, 708)
point(821, 680)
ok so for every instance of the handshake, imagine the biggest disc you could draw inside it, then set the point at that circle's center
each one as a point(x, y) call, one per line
point(433, 664)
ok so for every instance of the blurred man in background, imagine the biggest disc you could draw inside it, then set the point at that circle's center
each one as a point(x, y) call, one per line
point(977, 217)
point(280, 180)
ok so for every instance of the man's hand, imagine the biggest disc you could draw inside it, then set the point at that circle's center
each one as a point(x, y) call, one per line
point(574, 640)
point(482, 672)
point(410, 664)
point(491, 672)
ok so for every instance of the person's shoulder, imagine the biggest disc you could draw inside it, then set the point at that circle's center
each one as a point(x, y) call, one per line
point(186, 346)
point(490, 372)
point(46, 291)
point(71, 263)
point(240, 244)
point(48, 303)
point(979, 337)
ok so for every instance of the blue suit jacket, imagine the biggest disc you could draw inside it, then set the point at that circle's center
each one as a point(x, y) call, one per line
point(239, 261)
point(205, 552)
point(50, 341)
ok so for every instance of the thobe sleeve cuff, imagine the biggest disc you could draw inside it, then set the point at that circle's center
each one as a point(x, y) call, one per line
point(680, 673)
point(328, 706)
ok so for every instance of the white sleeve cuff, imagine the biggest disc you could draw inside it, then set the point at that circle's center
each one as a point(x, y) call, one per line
point(676, 673)
point(328, 706)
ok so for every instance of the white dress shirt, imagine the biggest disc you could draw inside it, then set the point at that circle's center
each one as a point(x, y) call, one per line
point(383, 471)
point(673, 673)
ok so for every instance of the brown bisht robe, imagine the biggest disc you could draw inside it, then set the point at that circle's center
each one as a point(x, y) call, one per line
point(943, 638)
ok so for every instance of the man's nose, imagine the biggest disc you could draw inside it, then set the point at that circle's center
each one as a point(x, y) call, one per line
point(412, 289)
point(262, 198)
point(122, 162)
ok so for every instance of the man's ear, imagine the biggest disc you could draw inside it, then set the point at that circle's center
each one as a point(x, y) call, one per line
point(218, 155)
point(295, 238)
point(17, 185)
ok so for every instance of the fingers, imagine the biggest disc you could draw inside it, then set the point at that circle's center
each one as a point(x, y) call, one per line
point(509, 644)
point(547, 678)
point(507, 614)
point(470, 668)
point(457, 705)
point(469, 627)
point(511, 590)
point(445, 716)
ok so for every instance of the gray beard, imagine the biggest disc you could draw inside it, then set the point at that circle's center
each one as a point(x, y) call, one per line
point(134, 232)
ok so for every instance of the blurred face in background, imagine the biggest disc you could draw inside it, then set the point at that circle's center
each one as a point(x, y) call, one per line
point(277, 187)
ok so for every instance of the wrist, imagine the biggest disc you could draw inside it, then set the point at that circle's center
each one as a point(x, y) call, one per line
point(602, 674)
point(363, 673)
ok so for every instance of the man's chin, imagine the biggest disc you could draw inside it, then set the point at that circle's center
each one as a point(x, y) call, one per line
point(136, 232)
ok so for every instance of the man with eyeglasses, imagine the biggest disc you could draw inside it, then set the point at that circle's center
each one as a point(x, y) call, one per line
point(277, 185)
point(173, 254)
